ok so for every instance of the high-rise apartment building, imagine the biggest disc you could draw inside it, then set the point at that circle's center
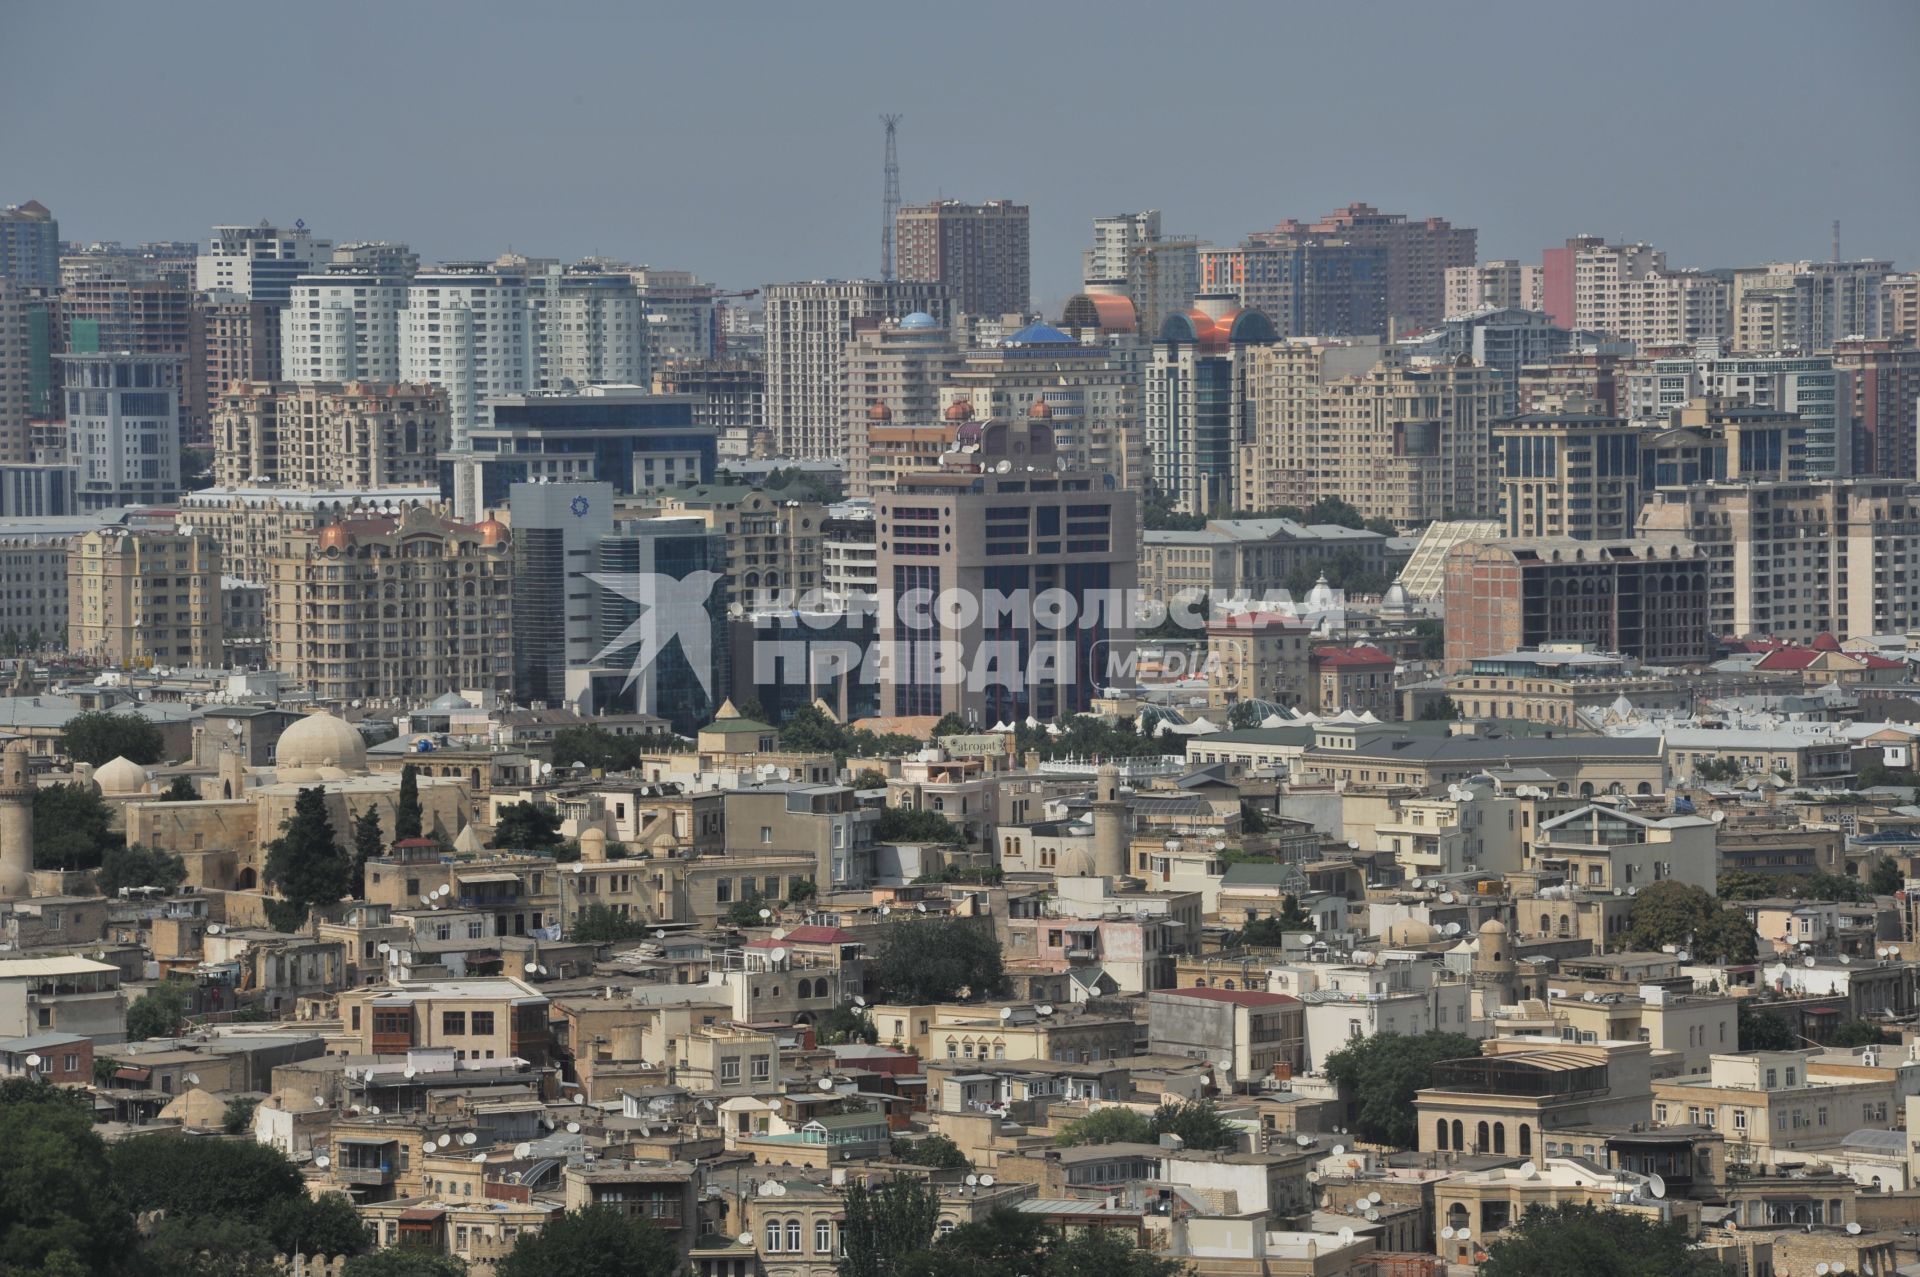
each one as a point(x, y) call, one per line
point(1401, 439)
point(468, 328)
point(339, 625)
point(1307, 285)
point(378, 257)
point(900, 366)
point(1797, 560)
point(1645, 599)
point(146, 597)
point(1507, 341)
point(556, 528)
point(589, 327)
point(343, 324)
point(1628, 291)
point(1900, 306)
point(1001, 525)
point(233, 338)
point(123, 426)
point(29, 245)
point(979, 251)
point(259, 261)
point(808, 328)
point(1089, 395)
point(252, 526)
point(1158, 273)
point(669, 684)
point(1419, 252)
point(1501, 285)
point(1808, 306)
point(120, 304)
point(1807, 386)
point(1885, 408)
point(1195, 411)
point(16, 375)
point(682, 314)
point(729, 398)
point(318, 434)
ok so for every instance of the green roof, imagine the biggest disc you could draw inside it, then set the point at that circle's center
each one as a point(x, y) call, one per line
point(736, 725)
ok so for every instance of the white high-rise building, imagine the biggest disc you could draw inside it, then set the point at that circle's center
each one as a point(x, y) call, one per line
point(1160, 275)
point(1808, 386)
point(123, 427)
point(808, 328)
point(261, 261)
point(1502, 285)
point(681, 314)
point(589, 328)
point(343, 325)
point(1627, 290)
point(469, 329)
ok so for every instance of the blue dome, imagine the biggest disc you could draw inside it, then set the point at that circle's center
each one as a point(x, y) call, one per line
point(1040, 335)
point(919, 319)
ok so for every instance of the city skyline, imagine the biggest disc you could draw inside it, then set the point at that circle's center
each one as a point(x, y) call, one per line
point(761, 103)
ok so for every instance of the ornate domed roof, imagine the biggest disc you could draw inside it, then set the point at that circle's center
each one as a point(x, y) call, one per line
point(333, 537)
point(1040, 335)
point(877, 411)
point(121, 776)
point(492, 531)
point(321, 740)
point(959, 410)
point(1395, 597)
point(1493, 927)
point(919, 319)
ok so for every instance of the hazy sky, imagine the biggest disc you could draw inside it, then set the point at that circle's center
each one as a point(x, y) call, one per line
point(741, 140)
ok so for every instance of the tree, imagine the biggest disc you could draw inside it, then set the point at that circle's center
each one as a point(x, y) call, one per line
point(72, 827)
point(325, 1225)
point(746, 911)
point(951, 724)
point(184, 1176)
point(1765, 1030)
point(905, 824)
point(935, 1151)
point(406, 812)
point(845, 1024)
point(1886, 877)
point(368, 844)
point(1583, 1241)
point(1244, 716)
point(801, 890)
point(99, 736)
point(157, 1013)
point(1441, 709)
point(1850, 1033)
point(1716, 769)
point(1011, 1241)
point(180, 791)
point(596, 1242)
point(1105, 1252)
point(59, 1209)
point(808, 730)
point(603, 924)
point(1433, 639)
point(1198, 1123)
point(238, 1119)
point(1689, 917)
point(1270, 933)
point(305, 863)
point(405, 1261)
point(210, 1246)
point(1381, 1073)
point(1252, 819)
point(1110, 1125)
point(870, 779)
point(526, 826)
point(1333, 510)
point(932, 959)
point(138, 866)
point(884, 1224)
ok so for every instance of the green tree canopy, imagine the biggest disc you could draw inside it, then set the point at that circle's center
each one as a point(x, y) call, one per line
point(306, 863)
point(158, 1012)
point(1582, 1241)
point(935, 1151)
point(951, 724)
point(1198, 1123)
point(1886, 877)
point(526, 826)
point(885, 1224)
point(1110, 1125)
point(60, 1211)
point(1381, 1074)
point(596, 1242)
point(180, 791)
point(1440, 709)
point(845, 1024)
point(933, 959)
point(1849, 1033)
point(1765, 1030)
point(407, 816)
point(1011, 1241)
point(899, 824)
point(100, 736)
point(1270, 933)
point(603, 924)
point(405, 1261)
point(1680, 914)
point(184, 1176)
point(137, 866)
point(72, 827)
point(238, 1119)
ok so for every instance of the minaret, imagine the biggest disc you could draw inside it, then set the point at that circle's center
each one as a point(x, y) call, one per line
point(1109, 824)
point(16, 820)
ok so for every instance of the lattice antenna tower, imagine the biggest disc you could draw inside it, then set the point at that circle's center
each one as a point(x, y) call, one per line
point(889, 197)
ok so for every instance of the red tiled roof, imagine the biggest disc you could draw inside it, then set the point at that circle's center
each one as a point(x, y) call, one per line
point(1360, 654)
point(1787, 658)
point(1244, 997)
point(804, 935)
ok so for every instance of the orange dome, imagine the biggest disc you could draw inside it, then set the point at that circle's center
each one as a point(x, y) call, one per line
point(492, 531)
point(877, 411)
point(1040, 411)
point(960, 410)
point(333, 537)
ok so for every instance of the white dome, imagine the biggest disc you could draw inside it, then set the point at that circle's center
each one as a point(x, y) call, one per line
point(121, 776)
point(321, 740)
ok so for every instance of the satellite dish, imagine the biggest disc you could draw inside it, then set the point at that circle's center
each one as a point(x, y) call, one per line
point(320, 1102)
point(384, 947)
point(1373, 1199)
point(1617, 891)
point(1462, 1234)
point(469, 1139)
point(444, 1140)
point(410, 1071)
point(986, 1181)
point(1313, 1177)
point(1528, 1169)
point(523, 1150)
point(1346, 1237)
point(826, 1084)
point(765, 914)
point(1633, 891)
point(1717, 817)
point(779, 933)
point(573, 1128)
point(1303, 1141)
point(323, 1161)
point(1853, 1230)
point(1446, 897)
point(745, 1239)
point(859, 1001)
point(1373, 1215)
point(375, 1109)
point(579, 868)
point(427, 1148)
point(1657, 1185)
point(1808, 960)
point(33, 1062)
point(479, 1157)
point(922, 906)
point(1413, 882)
point(973, 1181)
point(214, 928)
point(1446, 1234)
point(1822, 1268)
point(885, 910)
point(1339, 1150)
point(779, 955)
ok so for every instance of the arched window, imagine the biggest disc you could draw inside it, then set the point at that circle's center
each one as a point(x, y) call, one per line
point(1440, 1134)
point(793, 1236)
point(1526, 1140)
point(1227, 983)
point(823, 1236)
point(1499, 1137)
point(773, 1236)
point(1457, 1216)
point(1482, 1144)
point(1459, 1136)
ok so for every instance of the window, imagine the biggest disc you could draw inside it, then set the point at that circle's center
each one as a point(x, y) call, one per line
point(762, 1068)
point(822, 1236)
point(793, 1236)
point(482, 1022)
point(766, 833)
point(773, 1236)
point(730, 1070)
point(453, 1023)
point(1739, 1119)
